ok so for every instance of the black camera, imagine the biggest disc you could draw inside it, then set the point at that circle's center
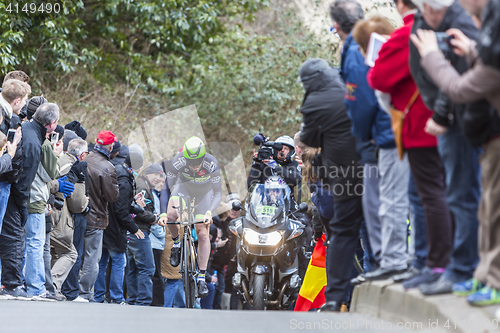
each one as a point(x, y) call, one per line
point(444, 41)
point(267, 148)
point(58, 203)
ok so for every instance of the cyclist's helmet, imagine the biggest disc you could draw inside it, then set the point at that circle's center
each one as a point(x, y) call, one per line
point(287, 141)
point(194, 151)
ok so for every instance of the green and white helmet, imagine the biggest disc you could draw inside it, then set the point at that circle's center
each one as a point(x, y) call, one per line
point(194, 151)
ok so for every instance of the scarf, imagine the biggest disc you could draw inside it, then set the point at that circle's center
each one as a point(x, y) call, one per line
point(102, 150)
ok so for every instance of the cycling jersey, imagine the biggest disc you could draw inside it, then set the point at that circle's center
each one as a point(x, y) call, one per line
point(203, 185)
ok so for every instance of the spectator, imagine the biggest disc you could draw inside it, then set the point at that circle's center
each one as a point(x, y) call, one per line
point(323, 107)
point(156, 177)
point(421, 149)
point(459, 158)
point(221, 253)
point(483, 288)
point(103, 189)
point(71, 286)
point(482, 80)
point(61, 236)
point(140, 261)
point(11, 248)
point(371, 122)
point(174, 289)
point(114, 238)
point(12, 99)
point(17, 75)
point(33, 104)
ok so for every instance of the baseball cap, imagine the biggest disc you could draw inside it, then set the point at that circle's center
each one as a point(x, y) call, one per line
point(105, 138)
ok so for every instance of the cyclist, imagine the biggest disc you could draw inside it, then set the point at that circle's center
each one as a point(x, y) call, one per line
point(196, 174)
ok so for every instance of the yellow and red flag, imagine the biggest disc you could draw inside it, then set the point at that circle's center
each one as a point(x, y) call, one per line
point(312, 292)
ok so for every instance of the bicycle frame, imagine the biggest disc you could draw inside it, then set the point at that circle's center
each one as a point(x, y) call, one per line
point(189, 257)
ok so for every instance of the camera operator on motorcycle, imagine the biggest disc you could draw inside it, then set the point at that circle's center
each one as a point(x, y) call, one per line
point(281, 163)
point(196, 174)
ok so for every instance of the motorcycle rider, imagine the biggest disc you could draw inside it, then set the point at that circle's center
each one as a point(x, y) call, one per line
point(196, 174)
point(282, 163)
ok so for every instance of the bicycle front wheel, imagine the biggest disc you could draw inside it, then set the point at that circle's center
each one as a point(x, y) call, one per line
point(188, 275)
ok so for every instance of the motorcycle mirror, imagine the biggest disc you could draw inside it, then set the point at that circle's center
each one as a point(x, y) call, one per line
point(237, 205)
point(303, 207)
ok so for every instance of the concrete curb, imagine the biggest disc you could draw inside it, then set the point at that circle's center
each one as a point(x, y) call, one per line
point(390, 301)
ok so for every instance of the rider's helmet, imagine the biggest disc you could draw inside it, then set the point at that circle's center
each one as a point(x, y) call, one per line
point(275, 190)
point(287, 141)
point(194, 151)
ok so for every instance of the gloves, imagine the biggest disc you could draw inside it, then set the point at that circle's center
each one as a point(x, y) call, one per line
point(78, 168)
point(65, 187)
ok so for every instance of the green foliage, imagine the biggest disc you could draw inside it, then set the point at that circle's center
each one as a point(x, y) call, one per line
point(109, 35)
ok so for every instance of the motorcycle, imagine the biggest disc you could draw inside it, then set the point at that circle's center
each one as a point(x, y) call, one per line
point(268, 243)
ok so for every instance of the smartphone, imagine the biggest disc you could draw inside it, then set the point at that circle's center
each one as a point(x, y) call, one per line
point(444, 41)
point(10, 135)
point(54, 138)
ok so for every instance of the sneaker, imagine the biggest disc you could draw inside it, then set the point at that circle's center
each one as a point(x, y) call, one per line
point(119, 303)
point(202, 289)
point(468, 287)
point(382, 274)
point(175, 256)
point(80, 299)
point(485, 296)
point(409, 274)
point(46, 297)
point(443, 285)
point(59, 296)
point(17, 293)
point(426, 276)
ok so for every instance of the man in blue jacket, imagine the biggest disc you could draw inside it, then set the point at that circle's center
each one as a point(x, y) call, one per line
point(371, 124)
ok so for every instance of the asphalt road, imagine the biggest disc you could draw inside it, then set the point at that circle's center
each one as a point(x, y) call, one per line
point(69, 317)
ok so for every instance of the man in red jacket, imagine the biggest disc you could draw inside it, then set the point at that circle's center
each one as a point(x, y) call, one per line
point(391, 74)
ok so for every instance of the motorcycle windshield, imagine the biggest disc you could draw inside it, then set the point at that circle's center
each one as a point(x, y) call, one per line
point(267, 206)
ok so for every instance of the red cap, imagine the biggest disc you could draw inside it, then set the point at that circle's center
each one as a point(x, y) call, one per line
point(105, 138)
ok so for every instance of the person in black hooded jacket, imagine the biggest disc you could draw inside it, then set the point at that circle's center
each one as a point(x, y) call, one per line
point(327, 125)
point(114, 238)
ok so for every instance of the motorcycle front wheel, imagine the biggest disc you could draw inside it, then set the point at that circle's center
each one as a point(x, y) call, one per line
point(259, 286)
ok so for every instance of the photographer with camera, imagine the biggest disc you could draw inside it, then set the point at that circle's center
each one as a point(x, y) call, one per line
point(64, 208)
point(274, 158)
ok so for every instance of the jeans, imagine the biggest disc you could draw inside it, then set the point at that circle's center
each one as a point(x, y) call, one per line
point(369, 262)
point(117, 275)
point(158, 286)
point(91, 257)
point(71, 287)
point(35, 267)
point(208, 301)
point(393, 210)
point(174, 294)
point(371, 204)
point(47, 258)
point(344, 236)
point(417, 222)
point(4, 199)
point(463, 190)
point(141, 268)
point(219, 289)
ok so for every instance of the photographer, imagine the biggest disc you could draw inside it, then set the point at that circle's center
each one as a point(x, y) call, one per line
point(64, 208)
point(281, 162)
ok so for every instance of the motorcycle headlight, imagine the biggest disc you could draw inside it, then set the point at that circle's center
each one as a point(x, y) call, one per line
point(254, 238)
